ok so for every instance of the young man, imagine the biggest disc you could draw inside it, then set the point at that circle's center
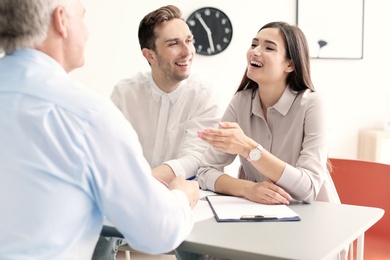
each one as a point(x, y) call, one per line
point(165, 105)
point(67, 156)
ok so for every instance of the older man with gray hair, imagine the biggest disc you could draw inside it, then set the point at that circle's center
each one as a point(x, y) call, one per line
point(68, 157)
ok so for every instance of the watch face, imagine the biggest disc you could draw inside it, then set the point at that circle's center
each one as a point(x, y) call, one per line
point(255, 154)
point(212, 30)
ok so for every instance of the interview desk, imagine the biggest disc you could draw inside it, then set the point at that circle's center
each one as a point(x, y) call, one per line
point(324, 230)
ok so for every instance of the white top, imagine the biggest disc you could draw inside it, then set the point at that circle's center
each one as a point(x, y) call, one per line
point(167, 123)
point(67, 159)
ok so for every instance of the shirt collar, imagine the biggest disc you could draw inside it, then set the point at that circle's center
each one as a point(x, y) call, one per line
point(283, 105)
point(39, 57)
point(173, 96)
point(286, 101)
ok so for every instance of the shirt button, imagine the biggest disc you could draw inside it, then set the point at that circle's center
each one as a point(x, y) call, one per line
point(269, 137)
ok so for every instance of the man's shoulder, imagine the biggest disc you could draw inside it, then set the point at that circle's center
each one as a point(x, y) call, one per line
point(137, 80)
point(45, 82)
point(197, 82)
point(78, 99)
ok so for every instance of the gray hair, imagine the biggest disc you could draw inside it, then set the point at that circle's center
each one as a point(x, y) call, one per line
point(25, 23)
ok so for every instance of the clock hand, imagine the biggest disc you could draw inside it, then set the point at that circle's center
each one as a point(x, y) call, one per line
point(211, 42)
point(208, 31)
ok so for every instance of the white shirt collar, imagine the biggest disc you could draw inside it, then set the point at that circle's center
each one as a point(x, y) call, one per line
point(173, 96)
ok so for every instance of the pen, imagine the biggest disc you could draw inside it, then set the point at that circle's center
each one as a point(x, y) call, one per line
point(191, 178)
point(257, 217)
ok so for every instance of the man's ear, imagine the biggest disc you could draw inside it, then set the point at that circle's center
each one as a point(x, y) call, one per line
point(59, 21)
point(149, 55)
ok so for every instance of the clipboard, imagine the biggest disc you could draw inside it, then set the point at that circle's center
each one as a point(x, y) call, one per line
point(236, 209)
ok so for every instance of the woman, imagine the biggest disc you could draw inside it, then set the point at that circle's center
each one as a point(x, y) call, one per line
point(278, 126)
point(276, 123)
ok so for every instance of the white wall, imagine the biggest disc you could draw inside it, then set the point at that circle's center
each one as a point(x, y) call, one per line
point(355, 88)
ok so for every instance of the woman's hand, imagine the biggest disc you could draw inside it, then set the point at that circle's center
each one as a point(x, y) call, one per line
point(267, 192)
point(229, 138)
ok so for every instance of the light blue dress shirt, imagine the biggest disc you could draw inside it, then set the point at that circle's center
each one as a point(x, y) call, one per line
point(68, 157)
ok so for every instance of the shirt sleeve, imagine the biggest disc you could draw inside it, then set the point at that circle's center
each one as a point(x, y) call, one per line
point(152, 218)
point(305, 181)
point(115, 96)
point(193, 147)
point(213, 162)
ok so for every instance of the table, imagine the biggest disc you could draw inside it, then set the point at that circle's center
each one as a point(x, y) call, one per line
point(324, 230)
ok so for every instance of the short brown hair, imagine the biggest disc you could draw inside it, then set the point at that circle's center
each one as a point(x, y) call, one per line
point(146, 35)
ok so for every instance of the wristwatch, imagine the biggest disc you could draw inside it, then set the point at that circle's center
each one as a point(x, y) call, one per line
point(255, 154)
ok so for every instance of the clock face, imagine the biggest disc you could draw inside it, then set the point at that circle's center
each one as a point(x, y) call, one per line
point(212, 30)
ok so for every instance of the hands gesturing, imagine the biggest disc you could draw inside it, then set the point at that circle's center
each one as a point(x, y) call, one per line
point(229, 138)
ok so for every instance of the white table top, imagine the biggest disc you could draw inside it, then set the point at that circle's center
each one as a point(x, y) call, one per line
point(324, 230)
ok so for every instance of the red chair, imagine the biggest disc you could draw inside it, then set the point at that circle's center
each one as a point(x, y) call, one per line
point(366, 183)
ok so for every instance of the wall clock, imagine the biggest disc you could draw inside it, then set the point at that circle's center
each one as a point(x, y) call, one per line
point(212, 30)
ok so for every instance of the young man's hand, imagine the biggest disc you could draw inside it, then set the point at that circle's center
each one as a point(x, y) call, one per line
point(190, 188)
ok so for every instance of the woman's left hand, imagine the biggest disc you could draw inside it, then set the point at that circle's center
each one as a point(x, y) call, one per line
point(267, 192)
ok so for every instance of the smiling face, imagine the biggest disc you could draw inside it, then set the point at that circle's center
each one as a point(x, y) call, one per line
point(267, 61)
point(172, 57)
